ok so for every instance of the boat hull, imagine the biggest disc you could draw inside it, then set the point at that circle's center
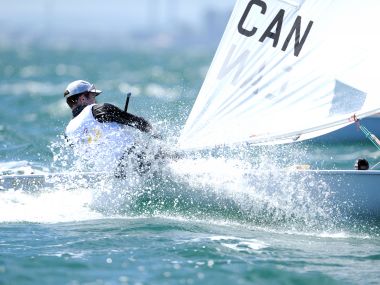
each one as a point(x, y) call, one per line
point(355, 192)
point(352, 191)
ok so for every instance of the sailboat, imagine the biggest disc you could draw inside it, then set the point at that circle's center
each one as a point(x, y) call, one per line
point(286, 71)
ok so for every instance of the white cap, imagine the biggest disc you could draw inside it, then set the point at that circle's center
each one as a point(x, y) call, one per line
point(79, 87)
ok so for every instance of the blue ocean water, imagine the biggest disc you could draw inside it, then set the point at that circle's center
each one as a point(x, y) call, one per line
point(194, 221)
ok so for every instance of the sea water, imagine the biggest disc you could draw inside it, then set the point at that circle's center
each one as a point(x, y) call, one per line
point(194, 221)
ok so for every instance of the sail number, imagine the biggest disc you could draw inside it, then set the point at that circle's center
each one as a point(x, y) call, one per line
point(273, 31)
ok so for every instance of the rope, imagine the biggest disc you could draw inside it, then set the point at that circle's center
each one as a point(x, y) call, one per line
point(373, 167)
point(366, 132)
point(370, 136)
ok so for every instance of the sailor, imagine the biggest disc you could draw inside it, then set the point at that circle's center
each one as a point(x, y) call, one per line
point(101, 133)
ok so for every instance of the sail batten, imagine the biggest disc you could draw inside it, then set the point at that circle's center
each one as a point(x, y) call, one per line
point(286, 70)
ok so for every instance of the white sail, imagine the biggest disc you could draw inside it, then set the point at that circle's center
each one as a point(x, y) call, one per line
point(287, 71)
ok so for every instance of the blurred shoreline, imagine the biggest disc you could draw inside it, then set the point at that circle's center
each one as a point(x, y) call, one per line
point(164, 24)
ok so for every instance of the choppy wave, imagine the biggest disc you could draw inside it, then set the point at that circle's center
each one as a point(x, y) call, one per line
point(35, 88)
point(46, 206)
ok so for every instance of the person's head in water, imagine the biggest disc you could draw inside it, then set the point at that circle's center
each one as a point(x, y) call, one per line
point(80, 93)
point(361, 164)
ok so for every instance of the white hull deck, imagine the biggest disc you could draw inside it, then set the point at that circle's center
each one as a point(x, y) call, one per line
point(357, 192)
point(38, 182)
point(353, 191)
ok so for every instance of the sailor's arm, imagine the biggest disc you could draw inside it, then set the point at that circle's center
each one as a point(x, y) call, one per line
point(109, 113)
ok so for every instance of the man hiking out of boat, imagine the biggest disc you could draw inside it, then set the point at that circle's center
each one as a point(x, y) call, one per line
point(102, 135)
